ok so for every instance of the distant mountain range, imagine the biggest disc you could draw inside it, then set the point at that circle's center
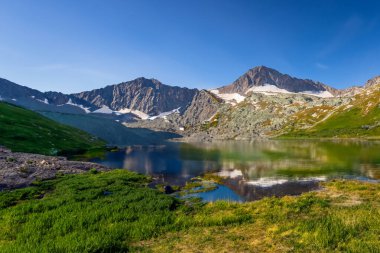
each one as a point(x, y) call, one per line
point(150, 104)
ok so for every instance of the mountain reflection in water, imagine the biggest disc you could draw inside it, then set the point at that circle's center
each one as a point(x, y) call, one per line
point(254, 169)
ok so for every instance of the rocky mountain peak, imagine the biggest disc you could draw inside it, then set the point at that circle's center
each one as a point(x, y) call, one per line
point(372, 82)
point(262, 75)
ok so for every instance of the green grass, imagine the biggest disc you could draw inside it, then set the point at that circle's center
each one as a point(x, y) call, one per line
point(93, 212)
point(345, 124)
point(26, 131)
point(343, 218)
point(115, 212)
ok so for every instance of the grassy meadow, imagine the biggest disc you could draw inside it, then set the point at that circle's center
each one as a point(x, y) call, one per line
point(116, 212)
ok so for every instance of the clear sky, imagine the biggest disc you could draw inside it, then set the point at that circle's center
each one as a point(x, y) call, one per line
point(75, 45)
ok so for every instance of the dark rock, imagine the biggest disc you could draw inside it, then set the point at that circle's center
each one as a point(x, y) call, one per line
point(168, 189)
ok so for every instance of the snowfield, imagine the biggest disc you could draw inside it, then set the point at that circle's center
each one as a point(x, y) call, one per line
point(266, 89)
point(165, 114)
point(269, 89)
point(103, 109)
point(231, 98)
point(138, 113)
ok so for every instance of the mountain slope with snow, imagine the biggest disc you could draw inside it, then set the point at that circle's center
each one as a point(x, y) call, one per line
point(266, 78)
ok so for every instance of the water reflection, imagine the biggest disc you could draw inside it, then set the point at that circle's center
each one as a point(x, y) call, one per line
point(254, 169)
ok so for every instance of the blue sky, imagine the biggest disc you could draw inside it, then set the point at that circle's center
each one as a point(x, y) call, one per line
point(72, 45)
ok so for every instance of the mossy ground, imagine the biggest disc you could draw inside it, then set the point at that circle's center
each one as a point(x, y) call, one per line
point(116, 212)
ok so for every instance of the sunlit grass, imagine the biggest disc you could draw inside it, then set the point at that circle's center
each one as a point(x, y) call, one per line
point(116, 212)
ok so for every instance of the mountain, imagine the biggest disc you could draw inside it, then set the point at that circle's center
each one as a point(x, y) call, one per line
point(296, 115)
point(264, 79)
point(14, 91)
point(26, 131)
point(149, 96)
point(261, 103)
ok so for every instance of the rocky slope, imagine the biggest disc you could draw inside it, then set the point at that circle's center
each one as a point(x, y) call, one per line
point(358, 116)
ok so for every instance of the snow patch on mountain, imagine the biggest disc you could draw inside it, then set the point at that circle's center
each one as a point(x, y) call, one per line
point(138, 113)
point(269, 89)
point(231, 98)
point(321, 94)
point(165, 114)
point(104, 109)
point(266, 88)
point(70, 102)
point(45, 101)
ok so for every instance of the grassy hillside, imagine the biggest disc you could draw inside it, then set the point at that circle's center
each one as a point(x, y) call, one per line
point(115, 212)
point(26, 131)
point(359, 118)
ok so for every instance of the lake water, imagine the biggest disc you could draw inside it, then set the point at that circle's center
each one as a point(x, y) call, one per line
point(255, 169)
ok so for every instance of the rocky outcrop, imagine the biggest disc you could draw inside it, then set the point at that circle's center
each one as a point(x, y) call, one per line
point(22, 169)
point(372, 82)
point(202, 108)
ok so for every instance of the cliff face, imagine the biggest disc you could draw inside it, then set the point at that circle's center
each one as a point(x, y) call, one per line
point(146, 95)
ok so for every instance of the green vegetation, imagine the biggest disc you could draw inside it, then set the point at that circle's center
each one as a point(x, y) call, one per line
point(346, 124)
point(26, 131)
point(92, 212)
point(358, 119)
point(116, 212)
point(344, 218)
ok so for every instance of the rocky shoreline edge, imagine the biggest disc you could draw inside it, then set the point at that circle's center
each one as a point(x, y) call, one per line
point(22, 169)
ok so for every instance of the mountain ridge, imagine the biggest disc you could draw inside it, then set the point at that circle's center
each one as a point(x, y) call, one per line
point(260, 103)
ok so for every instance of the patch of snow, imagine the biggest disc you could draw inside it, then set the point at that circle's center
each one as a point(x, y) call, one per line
point(70, 102)
point(216, 92)
point(45, 101)
point(138, 113)
point(104, 109)
point(181, 129)
point(165, 114)
point(14, 99)
point(33, 97)
point(229, 97)
point(269, 89)
point(321, 94)
point(117, 120)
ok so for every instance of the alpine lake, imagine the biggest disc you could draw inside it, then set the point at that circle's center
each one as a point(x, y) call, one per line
point(252, 170)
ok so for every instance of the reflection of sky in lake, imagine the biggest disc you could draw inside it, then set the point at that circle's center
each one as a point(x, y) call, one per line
point(273, 167)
